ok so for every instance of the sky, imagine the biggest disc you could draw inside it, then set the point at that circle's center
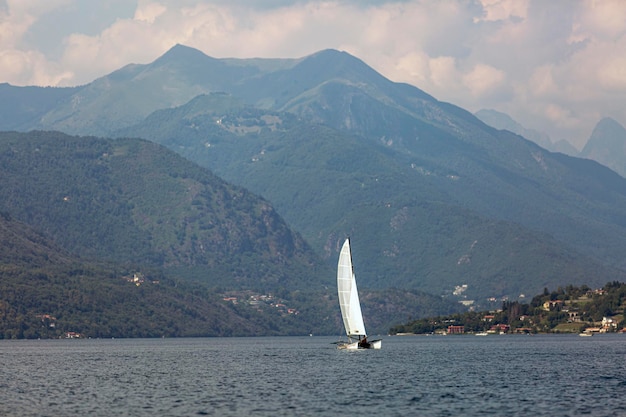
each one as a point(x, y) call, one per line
point(556, 66)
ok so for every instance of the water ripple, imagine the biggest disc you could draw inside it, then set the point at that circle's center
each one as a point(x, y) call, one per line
point(424, 376)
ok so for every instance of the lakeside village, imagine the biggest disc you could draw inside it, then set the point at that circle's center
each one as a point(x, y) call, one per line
point(566, 310)
point(49, 321)
point(259, 301)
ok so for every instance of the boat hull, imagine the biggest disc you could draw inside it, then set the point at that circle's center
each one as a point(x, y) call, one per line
point(374, 344)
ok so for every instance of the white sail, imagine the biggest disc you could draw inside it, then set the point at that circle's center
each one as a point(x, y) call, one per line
point(348, 295)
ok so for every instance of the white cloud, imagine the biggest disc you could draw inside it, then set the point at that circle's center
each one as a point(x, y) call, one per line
point(17, 18)
point(483, 79)
point(560, 116)
point(496, 10)
point(613, 74)
point(443, 72)
point(413, 68)
point(602, 19)
point(13, 26)
point(542, 82)
point(19, 62)
point(23, 66)
point(148, 12)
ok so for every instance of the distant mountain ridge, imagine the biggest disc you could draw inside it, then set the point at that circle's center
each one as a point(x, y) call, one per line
point(22, 107)
point(501, 120)
point(607, 145)
point(433, 197)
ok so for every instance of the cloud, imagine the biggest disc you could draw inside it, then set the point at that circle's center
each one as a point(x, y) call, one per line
point(554, 66)
point(21, 63)
point(499, 10)
point(148, 12)
point(612, 74)
point(483, 79)
point(443, 72)
point(602, 19)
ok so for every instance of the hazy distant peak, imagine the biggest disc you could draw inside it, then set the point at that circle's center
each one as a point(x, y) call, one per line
point(331, 54)
point(182, 53)
point(609, 123)
point(338, 63)
point(607, 132)
point(503, 121)
point(607, 145)
point(608, 137)
point(498, 119)
point(179, 49)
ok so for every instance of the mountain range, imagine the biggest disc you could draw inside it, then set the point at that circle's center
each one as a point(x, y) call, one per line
point(606, 145)
point(123, 238)
point(433, 198)
point(503, 121)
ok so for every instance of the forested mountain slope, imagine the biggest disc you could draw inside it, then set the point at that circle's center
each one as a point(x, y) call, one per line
point(432, 219)
point(122, 238)
point(133, 201)
point(45, 292)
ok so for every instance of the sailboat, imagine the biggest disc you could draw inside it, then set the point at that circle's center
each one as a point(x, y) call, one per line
point(350, 306)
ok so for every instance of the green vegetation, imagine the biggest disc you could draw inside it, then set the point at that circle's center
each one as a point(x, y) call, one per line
point(47, 291)
point(417, 222)
point(566, 310)
point(99, 302)
point(134, 202)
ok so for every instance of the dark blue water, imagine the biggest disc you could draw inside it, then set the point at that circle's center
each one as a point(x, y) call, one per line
point(410, 376)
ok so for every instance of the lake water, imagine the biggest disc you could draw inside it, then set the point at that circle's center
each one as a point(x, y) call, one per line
point(307, 376)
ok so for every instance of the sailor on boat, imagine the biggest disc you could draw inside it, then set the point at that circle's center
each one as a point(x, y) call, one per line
point(364, 343)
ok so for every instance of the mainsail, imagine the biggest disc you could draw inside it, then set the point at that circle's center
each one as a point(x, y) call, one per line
point(348, 295)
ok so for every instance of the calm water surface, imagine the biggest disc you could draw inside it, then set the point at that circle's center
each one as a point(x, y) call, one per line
point(307, 376)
